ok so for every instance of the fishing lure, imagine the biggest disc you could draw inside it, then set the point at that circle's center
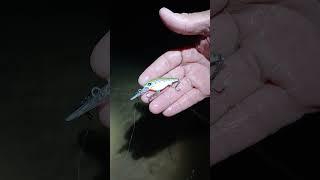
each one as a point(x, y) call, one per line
point(96, 97)
point(217, 62)
point(156, 85)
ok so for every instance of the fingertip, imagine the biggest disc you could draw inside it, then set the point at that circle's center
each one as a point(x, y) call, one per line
point(103, 116)
point(168, 18)
point(164, 11)
point(168, 112)
point(100, 57)
point(144, 99)
point(143, 78)
point(154, 108)
point(186, 23)
point(140, 80)
point(165, 63)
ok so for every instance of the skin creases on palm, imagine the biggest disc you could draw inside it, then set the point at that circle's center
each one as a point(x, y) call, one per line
point(193, 71)
point(270, 80)
point(190, 66)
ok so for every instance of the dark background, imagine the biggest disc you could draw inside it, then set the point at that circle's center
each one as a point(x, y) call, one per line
point(44, 58)
point(45, 73)
point(291, 153)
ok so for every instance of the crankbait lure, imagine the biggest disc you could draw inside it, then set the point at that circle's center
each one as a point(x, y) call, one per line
point(97, 97)
point(156, 85)
point(217, 62)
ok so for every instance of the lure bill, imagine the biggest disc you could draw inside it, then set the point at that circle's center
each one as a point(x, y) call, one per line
point(156, 85)
point(96, 98)
point(140, 93)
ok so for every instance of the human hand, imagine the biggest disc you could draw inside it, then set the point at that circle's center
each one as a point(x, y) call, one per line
point(270, 77)
point(100, 63)
point(191, 66)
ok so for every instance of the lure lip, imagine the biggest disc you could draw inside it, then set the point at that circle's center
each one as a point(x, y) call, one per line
point(139, 93)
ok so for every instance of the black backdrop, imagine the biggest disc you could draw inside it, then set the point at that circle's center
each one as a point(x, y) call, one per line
point(33, 87)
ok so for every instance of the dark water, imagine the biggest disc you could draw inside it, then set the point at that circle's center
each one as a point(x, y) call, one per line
point(288, 154)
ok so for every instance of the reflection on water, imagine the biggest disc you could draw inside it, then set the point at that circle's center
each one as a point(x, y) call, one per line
point(154, 147)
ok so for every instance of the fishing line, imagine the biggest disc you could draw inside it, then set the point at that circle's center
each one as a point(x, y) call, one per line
point(131, 137)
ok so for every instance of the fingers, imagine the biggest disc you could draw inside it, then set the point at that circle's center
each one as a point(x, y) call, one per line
point(199, 76)
point(258, 116)
point(186, 24)
point(103, 115)
point(194, 56)
point(171, 101)
point(239, 78)
point(161, 66)
point(170, 96)
point(100, 57)
point(204, 47)
point(183, 65)
point(225, 34)
point(217, 6)
point(187, 100)
point(170, 60)
point(280, 48)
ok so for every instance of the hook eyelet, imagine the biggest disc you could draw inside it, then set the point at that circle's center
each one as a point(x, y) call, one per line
point(95, 91)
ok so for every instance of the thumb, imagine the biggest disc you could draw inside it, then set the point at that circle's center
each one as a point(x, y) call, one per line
point(100, 57)
point(187, 23)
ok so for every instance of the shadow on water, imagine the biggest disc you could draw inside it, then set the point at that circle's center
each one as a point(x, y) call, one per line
point(153, 133)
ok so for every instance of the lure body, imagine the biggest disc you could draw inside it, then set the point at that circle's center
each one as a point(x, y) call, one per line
point(160, 83)
point(156, 85)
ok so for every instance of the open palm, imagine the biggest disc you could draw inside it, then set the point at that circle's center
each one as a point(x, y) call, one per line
point(270, 77)
point(191, 66)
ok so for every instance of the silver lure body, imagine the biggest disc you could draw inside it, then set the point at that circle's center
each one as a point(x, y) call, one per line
point(156, 85)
